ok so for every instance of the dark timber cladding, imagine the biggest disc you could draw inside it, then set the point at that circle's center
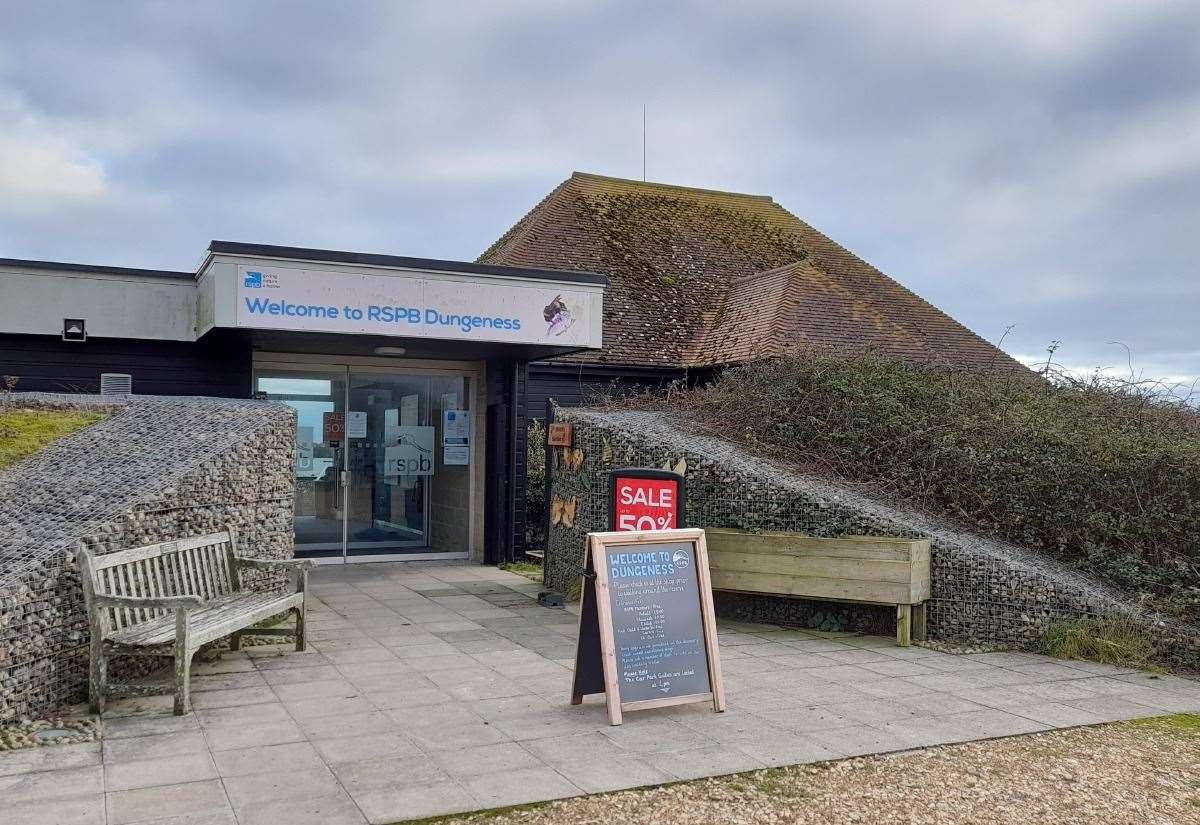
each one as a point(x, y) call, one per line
point(574, 384)
point(217, 365)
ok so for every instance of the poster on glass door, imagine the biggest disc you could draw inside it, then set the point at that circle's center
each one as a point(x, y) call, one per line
point(456, 437)
point(411, 454)
point(304, 453)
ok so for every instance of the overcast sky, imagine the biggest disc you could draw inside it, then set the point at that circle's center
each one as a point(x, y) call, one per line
point(1025, 164)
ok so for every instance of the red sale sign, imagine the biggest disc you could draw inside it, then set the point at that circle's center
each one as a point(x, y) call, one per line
point(645, 499)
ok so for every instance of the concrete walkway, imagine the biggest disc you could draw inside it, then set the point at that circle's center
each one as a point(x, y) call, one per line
point(432, 689)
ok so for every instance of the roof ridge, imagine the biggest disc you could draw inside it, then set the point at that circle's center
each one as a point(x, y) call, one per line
point(775, 270)
point(657, 185)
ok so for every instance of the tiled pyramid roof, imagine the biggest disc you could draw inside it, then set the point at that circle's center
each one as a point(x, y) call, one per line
point(700, 278)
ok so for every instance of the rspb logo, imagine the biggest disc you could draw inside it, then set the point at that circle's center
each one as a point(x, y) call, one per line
point(254, 280)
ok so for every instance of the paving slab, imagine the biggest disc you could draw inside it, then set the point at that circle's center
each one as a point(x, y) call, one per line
point(304, 783)
point(400, 801)
point(597, 774)
point(44, 785)
point(334, 809)
point(371, 746)
point(163, 770)
point(295, 756)
point(381, 774)
point(75, 810)
point(712, 760)
point(436, 688)
point(57, 757)
point(518, 787)
point(784, 748)
point(163, 801)
point(246, 736)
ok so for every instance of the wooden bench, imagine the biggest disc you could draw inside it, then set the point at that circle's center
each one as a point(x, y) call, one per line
point(861, 569)
point(168, 599)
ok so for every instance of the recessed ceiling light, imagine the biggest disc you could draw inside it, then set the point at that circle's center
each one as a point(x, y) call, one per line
point(390, 350)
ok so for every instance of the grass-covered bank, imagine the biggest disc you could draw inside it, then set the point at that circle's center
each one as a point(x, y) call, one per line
point(1104, 475)
point(24, 432)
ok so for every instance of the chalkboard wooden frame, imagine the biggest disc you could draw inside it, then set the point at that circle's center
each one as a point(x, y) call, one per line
point(596, 654)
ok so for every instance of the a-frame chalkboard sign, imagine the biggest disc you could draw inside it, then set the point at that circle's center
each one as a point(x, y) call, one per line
point(647, 633)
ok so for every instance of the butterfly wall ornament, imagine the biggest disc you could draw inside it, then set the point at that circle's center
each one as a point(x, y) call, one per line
point(570, 459)
point(680, 466)
point(562, 511)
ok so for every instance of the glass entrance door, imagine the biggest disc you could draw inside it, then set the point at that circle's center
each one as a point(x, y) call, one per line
point(319, 399)
point(382, 461)
point(392, 465)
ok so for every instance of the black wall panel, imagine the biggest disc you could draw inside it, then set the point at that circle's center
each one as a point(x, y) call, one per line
point(218, 365)
point(499, 539)
point(576, 386)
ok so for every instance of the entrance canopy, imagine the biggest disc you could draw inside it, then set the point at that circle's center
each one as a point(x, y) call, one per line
point(282, 295)
point(286, 298)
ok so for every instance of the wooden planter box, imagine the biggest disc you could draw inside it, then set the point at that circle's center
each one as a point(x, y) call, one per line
point(863, 569)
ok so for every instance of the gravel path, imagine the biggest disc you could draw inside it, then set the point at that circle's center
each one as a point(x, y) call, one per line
point(1144, 772)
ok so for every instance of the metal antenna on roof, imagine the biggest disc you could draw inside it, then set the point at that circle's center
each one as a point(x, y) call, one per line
point(643, 143)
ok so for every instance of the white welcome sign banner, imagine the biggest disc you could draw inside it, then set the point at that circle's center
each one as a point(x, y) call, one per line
point(424, 307)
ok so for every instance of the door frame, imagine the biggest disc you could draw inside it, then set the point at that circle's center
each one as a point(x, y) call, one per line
point(345, 364)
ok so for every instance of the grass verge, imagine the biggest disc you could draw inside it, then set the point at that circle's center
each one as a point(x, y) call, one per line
point(1119, 642)
point(1188, 723)
point(25, 432)
point(531, 571)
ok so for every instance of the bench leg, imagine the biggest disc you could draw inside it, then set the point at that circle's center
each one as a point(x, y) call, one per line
point(301, 587)
point(299, 628)
point(918, 622)
point(903, 624)
point(97, 677)
point(183, 664)
point(235, 640)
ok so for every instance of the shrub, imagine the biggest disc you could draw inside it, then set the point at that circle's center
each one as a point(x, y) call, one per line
point(1100, 473)
point(535, 486)
point(1112, 641)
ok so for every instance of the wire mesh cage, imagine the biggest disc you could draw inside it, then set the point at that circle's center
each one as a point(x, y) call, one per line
point(985, 591)
point(153, 469)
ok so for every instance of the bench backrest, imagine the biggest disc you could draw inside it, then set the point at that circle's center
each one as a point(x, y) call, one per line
point(197, 566)
point(871, 569)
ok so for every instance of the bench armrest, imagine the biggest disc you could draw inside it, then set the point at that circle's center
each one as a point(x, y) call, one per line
point(157, 603)
point(268, 564)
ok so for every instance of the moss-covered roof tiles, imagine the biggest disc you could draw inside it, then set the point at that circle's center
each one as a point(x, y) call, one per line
point(699, 278)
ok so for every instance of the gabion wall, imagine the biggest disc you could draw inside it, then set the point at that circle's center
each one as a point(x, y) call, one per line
point(984, 592)
point(157, 468)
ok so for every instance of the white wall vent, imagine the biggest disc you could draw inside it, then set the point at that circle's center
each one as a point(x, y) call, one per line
point(115, 383)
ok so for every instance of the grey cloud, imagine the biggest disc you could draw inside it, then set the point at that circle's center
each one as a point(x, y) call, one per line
point(1014, 165)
